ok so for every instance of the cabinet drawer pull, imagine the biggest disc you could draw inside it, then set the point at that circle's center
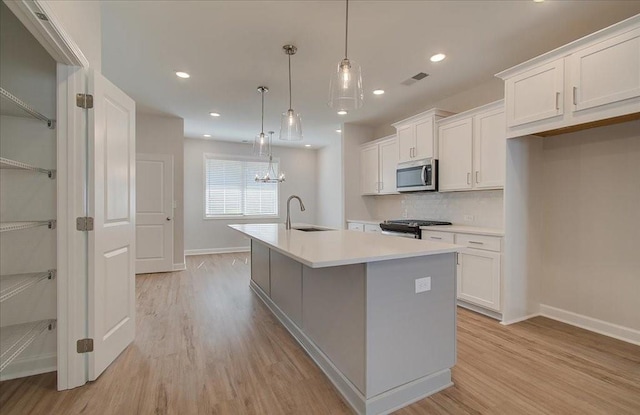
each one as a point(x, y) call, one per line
point(435, 237)
point(557, 100)
point(477, 180)
point(476, 243)
point(575, 95)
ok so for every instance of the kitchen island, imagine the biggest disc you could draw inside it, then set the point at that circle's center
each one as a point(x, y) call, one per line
point(376, 313)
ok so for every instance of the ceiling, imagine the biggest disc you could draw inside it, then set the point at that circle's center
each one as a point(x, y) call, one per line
point(232, 47)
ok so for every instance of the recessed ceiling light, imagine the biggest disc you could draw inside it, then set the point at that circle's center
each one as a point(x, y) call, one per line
point(438, 57)
point(378, 91)
point(207, 135)
point(538, 1)
point(342, 112)
point(338, 130)
point(214, 114)
point(307, 145)
point(182, 75)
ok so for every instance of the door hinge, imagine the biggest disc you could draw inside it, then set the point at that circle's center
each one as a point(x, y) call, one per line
point(84, 223)
point(84, 101)
point(84, 345)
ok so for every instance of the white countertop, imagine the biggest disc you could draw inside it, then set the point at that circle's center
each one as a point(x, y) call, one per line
point(340, 247)
point(475, 230)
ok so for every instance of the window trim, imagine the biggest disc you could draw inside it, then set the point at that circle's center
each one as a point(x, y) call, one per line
point(232, 157)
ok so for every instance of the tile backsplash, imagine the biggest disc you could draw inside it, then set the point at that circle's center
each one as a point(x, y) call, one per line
point(476, 208)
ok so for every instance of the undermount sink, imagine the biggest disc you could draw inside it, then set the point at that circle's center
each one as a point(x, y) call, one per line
point(312, 229)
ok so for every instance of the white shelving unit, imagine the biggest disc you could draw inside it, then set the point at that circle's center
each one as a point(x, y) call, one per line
point(16, 338)
point(14, 284)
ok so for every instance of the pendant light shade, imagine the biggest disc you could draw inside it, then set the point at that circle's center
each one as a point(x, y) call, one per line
point(291, 122)
point(270, 176)
point(262, 142)
point(345, 88)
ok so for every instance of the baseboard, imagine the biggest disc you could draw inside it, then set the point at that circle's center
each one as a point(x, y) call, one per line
point(626, 334)
point(519, 319)
point(180, 267)
point(480, 310)
point(208, 251)
point(382, 404)
point(30, 366)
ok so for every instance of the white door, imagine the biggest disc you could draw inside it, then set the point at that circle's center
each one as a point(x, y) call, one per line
point(112, 190)
point(388, 155)
point(489, 149)
point(406, 143)
point(606, 72)
point(154, 213)
point(535, 94)
point(479, 278)
point(369, 181)
point(455, 155)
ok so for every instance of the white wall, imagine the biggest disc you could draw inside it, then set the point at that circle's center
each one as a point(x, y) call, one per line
point(213, 235)
point(330, 192)
point(165, 135)
point(591, 222)
point(81, 20)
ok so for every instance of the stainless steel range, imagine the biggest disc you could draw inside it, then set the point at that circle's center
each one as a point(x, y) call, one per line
point(407, 228)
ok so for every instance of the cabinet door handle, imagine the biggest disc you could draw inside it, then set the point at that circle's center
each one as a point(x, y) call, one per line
point(457, 258)
point(469, 178)
point(435, 237)
point(477, 180)
point(557, 100)
point(575, 95)
point(476, 243)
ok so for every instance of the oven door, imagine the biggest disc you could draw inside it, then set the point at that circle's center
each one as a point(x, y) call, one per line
point(416, 176)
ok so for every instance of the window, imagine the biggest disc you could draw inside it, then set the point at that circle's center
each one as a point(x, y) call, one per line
point(231, 190)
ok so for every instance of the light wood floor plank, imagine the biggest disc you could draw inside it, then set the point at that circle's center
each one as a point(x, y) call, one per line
point(206, 345)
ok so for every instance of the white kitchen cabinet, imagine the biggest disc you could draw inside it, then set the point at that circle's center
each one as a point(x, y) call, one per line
point(378, 161)
point(606, 72)
point(371, 227)
point(478, 276)
point(592, 81)
point(472, 149)
point(355, 226)
point(417, 136)
point(535, 94)
point(456, 161)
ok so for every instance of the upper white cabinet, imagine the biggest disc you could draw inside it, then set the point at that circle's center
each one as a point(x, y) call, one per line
point(472, 149)
point(417, 136)
point(606, 72)
point(593, 79)
point(535, 94)
point(378, 161)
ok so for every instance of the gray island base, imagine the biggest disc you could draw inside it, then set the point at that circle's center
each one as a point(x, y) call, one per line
point(381, 344)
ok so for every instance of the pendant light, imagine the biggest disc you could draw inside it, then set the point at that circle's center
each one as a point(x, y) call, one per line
point(291, 123)
point(262, 142)
point(270, 176)
point(345, 88)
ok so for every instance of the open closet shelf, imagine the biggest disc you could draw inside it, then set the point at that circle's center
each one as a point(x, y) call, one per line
point(11, 285)
point(15, 339)
point(15, 226)
point(12, 164)
point(27, 108)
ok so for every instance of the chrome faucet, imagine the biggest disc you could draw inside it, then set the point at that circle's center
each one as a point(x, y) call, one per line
point(288, 222)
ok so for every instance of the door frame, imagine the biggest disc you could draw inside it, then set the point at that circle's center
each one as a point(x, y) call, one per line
point(72, 317)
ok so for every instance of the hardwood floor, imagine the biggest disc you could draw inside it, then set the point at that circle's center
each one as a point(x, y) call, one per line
point(206, 345)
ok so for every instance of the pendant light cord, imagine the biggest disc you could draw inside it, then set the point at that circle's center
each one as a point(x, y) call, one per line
point(289, 82)
point(262, 125)
point(346, 30)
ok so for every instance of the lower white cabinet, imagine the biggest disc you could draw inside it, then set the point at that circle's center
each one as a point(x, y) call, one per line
point(371, 227)
point(353, 226)
point(479, 278)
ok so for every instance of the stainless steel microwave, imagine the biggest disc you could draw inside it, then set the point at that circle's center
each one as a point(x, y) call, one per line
point(417, 176)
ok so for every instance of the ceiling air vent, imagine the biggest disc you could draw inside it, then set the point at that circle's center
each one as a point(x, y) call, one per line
point(415, 78)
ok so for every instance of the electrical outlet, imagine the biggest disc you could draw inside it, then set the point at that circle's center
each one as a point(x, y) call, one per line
point(423, 284)
point(468, 218)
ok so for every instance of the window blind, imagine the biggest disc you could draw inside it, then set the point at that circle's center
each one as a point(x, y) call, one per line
point(231, 189)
